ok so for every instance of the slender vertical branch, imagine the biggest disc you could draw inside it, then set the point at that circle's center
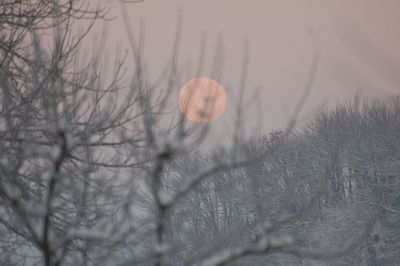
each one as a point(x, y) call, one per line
point(47, 248)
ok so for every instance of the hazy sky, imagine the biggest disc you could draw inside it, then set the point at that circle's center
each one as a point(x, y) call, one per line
point(358, 42)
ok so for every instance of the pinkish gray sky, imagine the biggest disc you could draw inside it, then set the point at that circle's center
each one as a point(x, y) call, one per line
point(358, 42)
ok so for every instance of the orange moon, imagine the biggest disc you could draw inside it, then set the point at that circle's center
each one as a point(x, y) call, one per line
point(202, 100)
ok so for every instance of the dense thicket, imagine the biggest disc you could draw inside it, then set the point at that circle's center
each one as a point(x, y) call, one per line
point(327, 183)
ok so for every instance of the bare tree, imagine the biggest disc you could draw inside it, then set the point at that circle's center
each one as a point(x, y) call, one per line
point(86, 178)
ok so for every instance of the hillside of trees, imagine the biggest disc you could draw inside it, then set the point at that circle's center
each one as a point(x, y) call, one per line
point(332, 183)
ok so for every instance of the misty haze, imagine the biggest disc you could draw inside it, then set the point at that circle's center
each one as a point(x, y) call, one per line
point(183, 132)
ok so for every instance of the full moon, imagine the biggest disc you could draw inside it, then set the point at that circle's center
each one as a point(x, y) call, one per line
point(202, 100)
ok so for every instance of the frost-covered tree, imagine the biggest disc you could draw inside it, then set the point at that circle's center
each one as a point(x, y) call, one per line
point(87, 177)
point(364, 134)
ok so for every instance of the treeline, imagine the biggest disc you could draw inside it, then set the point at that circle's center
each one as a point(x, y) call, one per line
point(333, 185)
